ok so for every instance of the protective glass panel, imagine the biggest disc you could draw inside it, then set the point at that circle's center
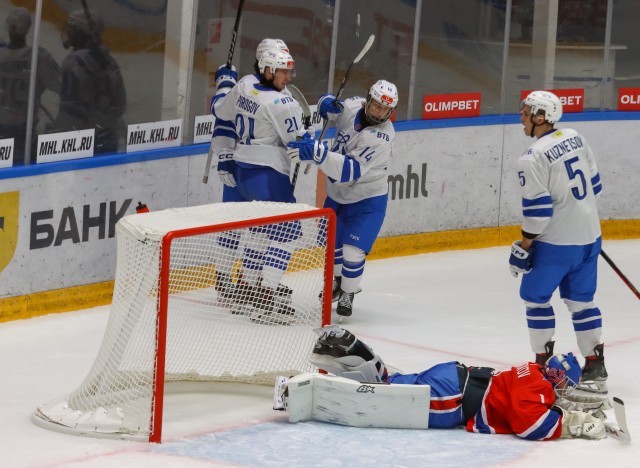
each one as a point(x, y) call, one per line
point(305, 27)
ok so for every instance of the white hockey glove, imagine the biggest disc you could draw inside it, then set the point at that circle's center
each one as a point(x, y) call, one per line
point(226, 77)
point(520, 260)
point(226, 167)
point(581, 424)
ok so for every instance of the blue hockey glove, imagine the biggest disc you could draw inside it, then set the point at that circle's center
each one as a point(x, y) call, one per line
point(308, 150)
point(226, 168)
point(327, 104)
point(303, 134)
point(520, 260)
point(226, 77)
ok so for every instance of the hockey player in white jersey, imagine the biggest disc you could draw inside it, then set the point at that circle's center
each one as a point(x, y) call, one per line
point(561, 236)
point(265, 120)
point(224, 137)
point(223, 144)
point(356, 169)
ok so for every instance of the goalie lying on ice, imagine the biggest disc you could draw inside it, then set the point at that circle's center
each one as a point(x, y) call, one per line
point(531, 401)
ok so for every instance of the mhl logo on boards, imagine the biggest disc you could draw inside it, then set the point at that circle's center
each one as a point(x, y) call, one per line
point(9, 208)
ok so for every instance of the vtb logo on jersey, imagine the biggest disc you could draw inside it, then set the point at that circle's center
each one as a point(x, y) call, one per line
point(9, 206)
point(340, 141)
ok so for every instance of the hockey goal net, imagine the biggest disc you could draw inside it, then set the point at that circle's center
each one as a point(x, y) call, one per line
point(224, 292)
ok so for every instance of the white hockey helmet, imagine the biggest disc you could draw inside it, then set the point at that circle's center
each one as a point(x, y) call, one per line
point(267, 44)
point(544, 101)
point(385, 94)
point(275, 59)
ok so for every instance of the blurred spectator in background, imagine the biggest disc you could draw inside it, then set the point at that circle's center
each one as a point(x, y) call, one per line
point(15, 71)
point(93, 93)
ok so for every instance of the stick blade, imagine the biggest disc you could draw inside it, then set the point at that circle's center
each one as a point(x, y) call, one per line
point(622, 431)
point(366, 48)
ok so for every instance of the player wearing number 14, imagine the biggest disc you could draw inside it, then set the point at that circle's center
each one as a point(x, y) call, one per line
point(561, 236)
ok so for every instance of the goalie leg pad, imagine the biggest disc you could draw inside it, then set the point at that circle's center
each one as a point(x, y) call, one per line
point(343, 401)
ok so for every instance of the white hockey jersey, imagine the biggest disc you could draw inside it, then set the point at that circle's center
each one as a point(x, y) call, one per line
point(357, 166)
point(560, 182)
point(265, 121)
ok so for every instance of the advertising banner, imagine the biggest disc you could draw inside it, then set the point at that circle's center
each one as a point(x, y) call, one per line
point(65, 145)
point(154, 135)
point(6, 152)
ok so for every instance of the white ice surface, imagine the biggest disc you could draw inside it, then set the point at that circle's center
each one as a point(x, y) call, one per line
point(415, 311)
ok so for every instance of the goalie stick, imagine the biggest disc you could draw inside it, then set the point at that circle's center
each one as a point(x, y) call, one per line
point(306, 120)
point(364, 50)
point(232, 48)
point(622, 431)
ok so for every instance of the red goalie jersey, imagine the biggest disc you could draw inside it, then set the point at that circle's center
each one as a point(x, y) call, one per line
point(518, 401)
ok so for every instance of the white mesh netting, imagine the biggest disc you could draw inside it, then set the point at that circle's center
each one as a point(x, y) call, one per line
point(242, 306)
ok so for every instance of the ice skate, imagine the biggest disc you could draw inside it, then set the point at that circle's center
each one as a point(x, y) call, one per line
point(273, 307)
point(541, 358)
point(345, 305)
point(594, 373)
point(225, 289)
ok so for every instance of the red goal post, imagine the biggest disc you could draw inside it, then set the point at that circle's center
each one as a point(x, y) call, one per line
point(173, 320)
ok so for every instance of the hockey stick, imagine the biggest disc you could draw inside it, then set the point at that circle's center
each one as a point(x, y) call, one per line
point(622, 431)
point(232, 48)
point(624, 279)
point(364, 50)
point(306, 120)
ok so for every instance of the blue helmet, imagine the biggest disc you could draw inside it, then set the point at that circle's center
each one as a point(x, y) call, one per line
point(563, 371)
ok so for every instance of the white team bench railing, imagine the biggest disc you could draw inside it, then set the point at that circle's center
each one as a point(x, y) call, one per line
point(225, 292)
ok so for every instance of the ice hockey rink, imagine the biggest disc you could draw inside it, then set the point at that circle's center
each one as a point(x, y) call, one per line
point(415, 311)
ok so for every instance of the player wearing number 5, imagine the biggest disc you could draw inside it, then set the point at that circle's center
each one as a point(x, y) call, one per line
point(561, 236)
point(356, 169)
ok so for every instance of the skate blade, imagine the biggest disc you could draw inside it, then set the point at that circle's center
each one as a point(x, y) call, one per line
point(270, 318)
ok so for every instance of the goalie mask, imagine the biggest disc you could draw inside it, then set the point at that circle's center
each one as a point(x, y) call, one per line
point(563, 371)
point(544, 101)
point(381, 101)
point(267, 44)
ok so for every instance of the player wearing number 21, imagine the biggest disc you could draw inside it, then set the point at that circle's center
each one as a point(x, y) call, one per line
point(561, 236)
point(266, 119)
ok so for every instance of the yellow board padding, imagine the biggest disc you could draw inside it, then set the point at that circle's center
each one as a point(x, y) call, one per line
point(93, 295)
point(56, 301)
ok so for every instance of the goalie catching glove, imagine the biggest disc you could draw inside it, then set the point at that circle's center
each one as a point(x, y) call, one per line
point(581, 424)
point(339, 352)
